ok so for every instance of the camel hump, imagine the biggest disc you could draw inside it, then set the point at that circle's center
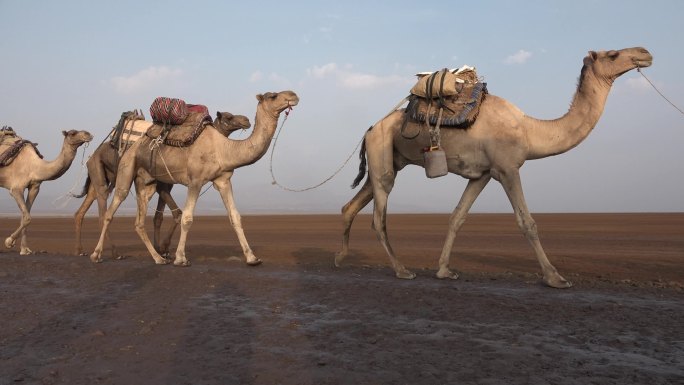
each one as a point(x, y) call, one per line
point(449, 98)
point(10, 150)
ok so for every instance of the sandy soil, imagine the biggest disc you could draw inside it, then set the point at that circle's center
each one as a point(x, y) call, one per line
point(297, 320)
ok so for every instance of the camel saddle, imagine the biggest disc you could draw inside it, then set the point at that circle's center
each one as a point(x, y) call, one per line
point(126, 132)
point(457, 93)
point(184, 134)
point(11, 144)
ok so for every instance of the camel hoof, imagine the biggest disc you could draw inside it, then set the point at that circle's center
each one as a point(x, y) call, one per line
point(26, 251)
point(446, 273)
point(182, 264)
point(557, 282)
point(254, 262)
point(339, 257)
point(94, 258)
point(406, 274)
point(9, 243)
point(162, 261)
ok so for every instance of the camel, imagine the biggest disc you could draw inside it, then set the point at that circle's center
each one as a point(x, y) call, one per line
point(102, 166)
point(212, 158)
point(495, 146)
point(28, 170)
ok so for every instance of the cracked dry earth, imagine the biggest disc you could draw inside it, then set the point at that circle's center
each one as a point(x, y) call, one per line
point(298, 320)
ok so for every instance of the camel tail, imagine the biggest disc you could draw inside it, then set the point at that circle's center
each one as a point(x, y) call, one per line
point(362, 165)
point(85, 189)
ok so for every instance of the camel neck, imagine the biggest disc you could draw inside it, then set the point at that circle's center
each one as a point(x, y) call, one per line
point(553, 137)
point(249, 150)
point(54, 169)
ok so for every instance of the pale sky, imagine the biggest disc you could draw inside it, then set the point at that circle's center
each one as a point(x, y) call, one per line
point(79, 64)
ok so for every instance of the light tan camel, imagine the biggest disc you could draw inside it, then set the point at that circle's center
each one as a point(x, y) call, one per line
point(102, 166)
point(28, 170)
point(212, 158)
point(495, 146)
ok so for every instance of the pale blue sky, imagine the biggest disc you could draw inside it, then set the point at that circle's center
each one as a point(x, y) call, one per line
point(79, 64)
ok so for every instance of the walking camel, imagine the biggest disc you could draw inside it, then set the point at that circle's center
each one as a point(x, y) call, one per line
point(496, 145)
point(102, 166)
point(28, 170)
point(212, 158)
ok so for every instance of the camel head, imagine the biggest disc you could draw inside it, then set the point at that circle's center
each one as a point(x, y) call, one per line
point(77, 138)
point(609, 65)
point(229, 122)
point(278, 102)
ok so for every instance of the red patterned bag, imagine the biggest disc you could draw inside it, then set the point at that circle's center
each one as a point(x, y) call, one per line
point(168, 110)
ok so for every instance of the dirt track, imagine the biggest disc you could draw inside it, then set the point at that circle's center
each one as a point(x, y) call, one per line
point(298, 320)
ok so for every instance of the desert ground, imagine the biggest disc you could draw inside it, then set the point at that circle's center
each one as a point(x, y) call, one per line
point(296, 319)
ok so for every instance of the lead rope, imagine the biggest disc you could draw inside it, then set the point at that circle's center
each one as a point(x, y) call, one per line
point(70, 194)
point(334, 174)
point(658, 91)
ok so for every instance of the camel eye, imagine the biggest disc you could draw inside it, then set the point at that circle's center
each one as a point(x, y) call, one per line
point(613, 54)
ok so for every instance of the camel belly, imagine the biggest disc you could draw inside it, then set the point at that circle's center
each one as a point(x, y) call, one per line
point(467, 169)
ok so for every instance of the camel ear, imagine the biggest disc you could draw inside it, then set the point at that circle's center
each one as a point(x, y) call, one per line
point(260, 97)
point(64, 133)
point(590, 58)
point(218, 115)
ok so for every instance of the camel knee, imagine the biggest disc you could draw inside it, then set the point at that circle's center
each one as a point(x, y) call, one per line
point(529, 228)
point(386, 180)
point(121, 193)
point(186, 220)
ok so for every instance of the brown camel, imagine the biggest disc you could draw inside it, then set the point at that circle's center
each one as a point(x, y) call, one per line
point(28, 170)
point(495, 146)
point(101, 178)
point(212, 158)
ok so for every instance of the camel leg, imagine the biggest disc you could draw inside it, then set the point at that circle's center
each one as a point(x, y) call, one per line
point(101, 195)
point(164, 192)
point(144, 194)
point(120, 195)
point(18, 195)
point(381, 173)
point(158, 220)
point(381, 191)
point(186, 223)
point(124, 180)
point(225, 188)
point(472, 191)
point(30, 198)
point(349, 212)
point(511, 184)
point(80, 214)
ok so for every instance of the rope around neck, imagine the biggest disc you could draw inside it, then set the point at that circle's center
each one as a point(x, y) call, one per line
point(69, 195)
point(334, 174)
point(658, 91)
